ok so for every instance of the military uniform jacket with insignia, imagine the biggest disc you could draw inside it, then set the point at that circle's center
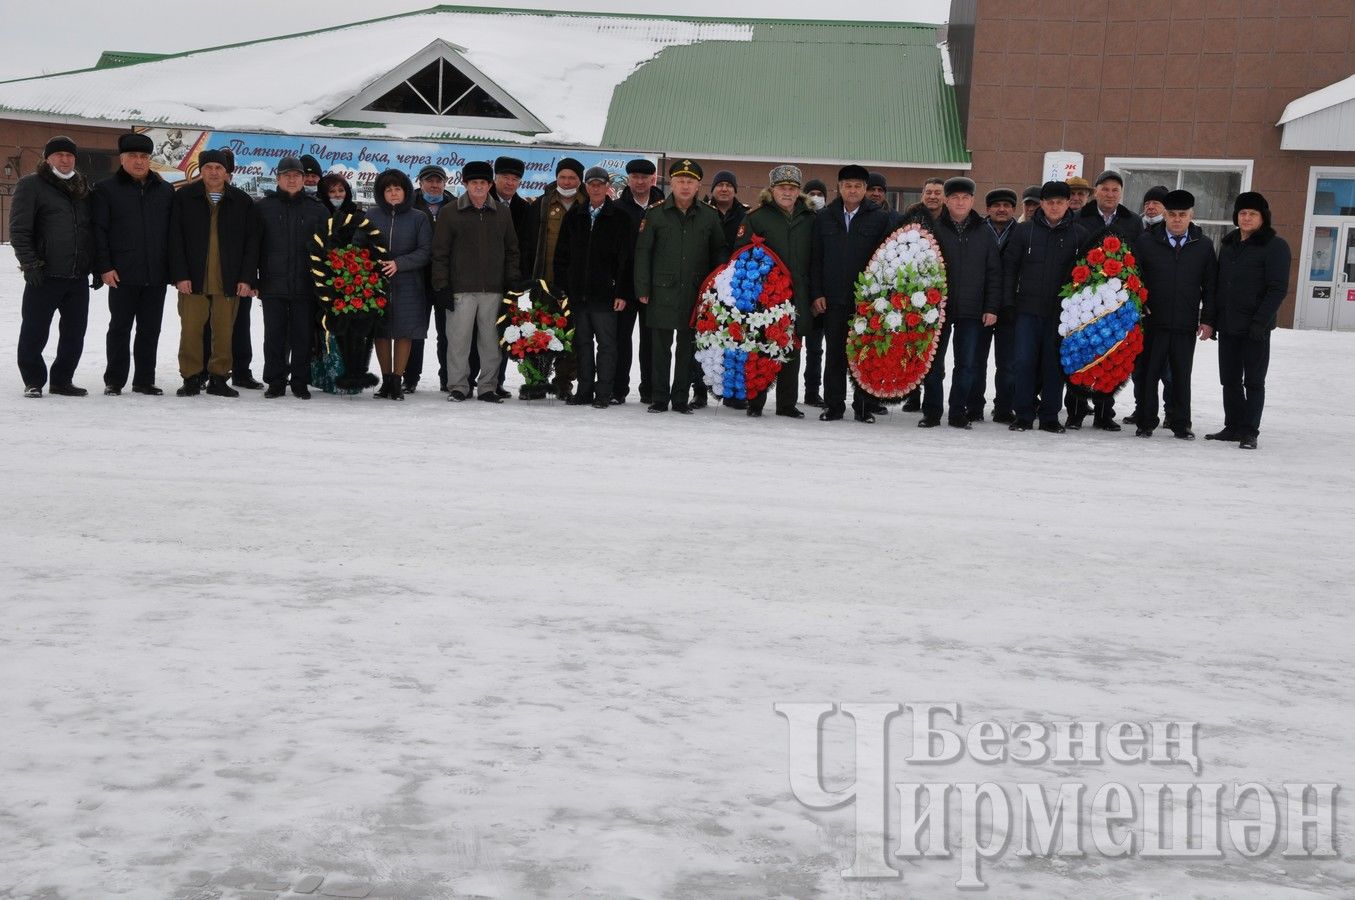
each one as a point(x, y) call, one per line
point(674, 253)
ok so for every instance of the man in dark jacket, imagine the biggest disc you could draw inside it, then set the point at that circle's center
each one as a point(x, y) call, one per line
point(785, 222)
point(508, 174)
point(1178, 267)
point(973, 295)
point(213, 262)
point(724, 197)
point(1035, 266)
point(680, 243)
point(640, 195)
point(288, 221)
point(475, 259)
point(1104, 216)
point(1153, 213)
point(130, 210)
point(846, 233)
point(1253, 279)
point(1000, 223)
point(49, 226)
point(431, 197)
point(593, 264)
point(924, 213)
point(311, 173)
point(816, 197)
point(546, 216)
point(242, 343)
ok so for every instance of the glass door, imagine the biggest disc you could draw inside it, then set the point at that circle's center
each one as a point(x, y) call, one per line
point(1343, 294)
point(1318, 285)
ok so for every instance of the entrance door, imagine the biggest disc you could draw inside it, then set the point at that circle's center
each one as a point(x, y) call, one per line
point(1343, 293)
point(1318, 285)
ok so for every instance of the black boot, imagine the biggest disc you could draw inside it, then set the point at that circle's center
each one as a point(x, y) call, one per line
point(217, 387)
point(397, 391)
point(384, 392)
point(192, 386)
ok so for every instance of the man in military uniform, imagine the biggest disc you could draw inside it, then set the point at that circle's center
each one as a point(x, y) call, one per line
point(680, 242)
point(639, 195)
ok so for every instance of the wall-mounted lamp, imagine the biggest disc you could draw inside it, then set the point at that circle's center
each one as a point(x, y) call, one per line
point(12, 165)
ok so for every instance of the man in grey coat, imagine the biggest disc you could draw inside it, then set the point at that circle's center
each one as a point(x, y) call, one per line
point(475, 258)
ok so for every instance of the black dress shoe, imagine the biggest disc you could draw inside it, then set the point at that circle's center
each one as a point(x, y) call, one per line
point(1052, 427)
point(1143, 432)
point(1018, 425)
point(32, 391)
point(1247, 443)
point(411, 385)
point(493, 397)
point(67, 390)
point(865, 418)
point(456, 396)
point(245, 381)
point(575, 400)
point(974, 415)
point(879, 408)
point(275, 390)
point(1004, 418)
point(682, 408)
point(831, 415)
point(601, 404)
point(812, 398)
point(111, 391)
point(503, 394)
point(1106, 425)
point(301, 392)
point(1183, 434)
point(960, 423)
point(657, 408)
point(791, 413)
point(754, 412)
point(1075, 423)
point(149, 390)
point(1132, 418)
point(913, 402)
point(928, 422)
point(617, 401)
point(699, 401)
point(733, 403)
point(1224, 435)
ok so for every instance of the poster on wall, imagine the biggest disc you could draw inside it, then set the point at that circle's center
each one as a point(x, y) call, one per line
point(359, 160)
point(1060, 165)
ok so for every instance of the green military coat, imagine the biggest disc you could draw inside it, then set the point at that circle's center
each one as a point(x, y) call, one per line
point(674, 253)
point(788, 237)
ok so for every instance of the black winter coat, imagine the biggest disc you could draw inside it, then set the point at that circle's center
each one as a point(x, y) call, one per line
point(1180, 281)
point(731, 221)
point(288, 224)
point(636, 210)
point(594, 259)
point(917, 214)
point(49, 224)
point(1126, 225)
point(131, 227)
point(1038, 261)
point(1253, 279)
point(837, 256)
point(190, 219)
point(973, 267)
point(521, 212)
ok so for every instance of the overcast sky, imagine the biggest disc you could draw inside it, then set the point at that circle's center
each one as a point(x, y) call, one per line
point(42, 39)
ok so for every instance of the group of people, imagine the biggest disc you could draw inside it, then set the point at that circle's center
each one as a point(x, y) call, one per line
point(622, 255)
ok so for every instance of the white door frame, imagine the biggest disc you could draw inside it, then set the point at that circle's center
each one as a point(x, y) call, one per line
point(1303, 297)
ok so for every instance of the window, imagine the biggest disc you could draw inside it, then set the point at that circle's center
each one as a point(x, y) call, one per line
point(1214, 182)
point(437, 87)
point(1334, 197)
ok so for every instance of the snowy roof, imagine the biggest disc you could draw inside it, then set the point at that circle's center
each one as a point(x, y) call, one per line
point(1327, 97)
point(563, 67)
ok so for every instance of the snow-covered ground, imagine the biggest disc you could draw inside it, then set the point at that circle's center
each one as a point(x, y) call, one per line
point(532, 650)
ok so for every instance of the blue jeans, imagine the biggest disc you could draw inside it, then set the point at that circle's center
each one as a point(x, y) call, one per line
point(966, 335)
point(1037, 361)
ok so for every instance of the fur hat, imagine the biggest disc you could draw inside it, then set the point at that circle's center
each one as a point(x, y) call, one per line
point(509, 165)
point(207, 157)
point(641, 167)
point(959, 185)
point(1252, 200)
point(135, 143)
point(853, 172)
point(1054, 190)
point(1178, 200)
point(786, 174)
point(476, 170)
point(1000, 195)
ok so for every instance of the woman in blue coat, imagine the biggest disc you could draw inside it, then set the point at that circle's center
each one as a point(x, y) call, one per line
point(408, 236)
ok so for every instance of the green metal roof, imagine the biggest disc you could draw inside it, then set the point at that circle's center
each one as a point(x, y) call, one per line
point(111, 59)
point(873, 92)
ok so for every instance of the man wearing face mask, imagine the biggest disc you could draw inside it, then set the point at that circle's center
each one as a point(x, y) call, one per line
point(431, 197)
point(548, 215)
point(639, 195)
point(311, 173)
point(49, 227)
point(816, 196)
point(1154, 213)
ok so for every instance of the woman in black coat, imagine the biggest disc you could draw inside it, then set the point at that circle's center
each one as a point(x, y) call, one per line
point(408, 235)
point(1253, 280)
point(345, 349)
